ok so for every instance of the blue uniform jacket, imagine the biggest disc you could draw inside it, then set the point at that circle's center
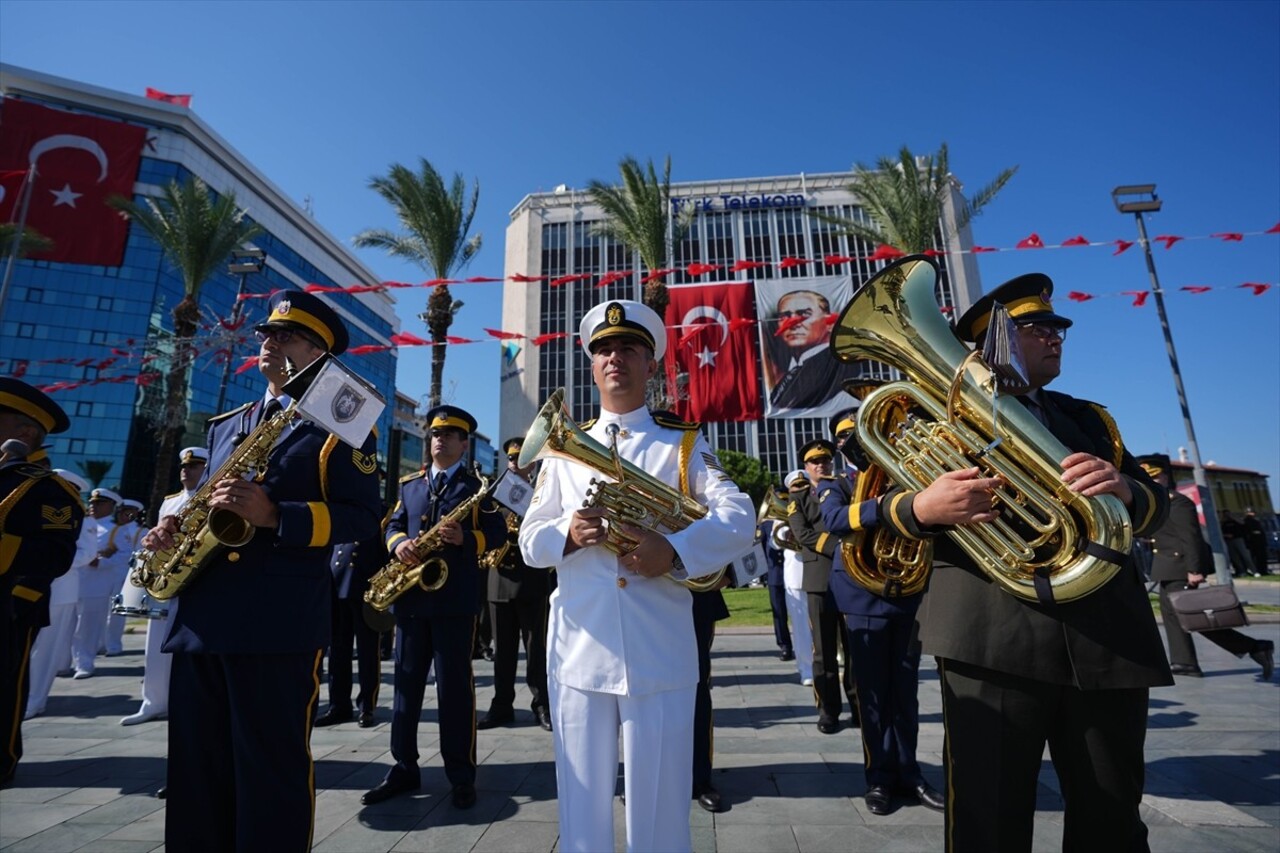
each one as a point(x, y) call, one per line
point(354, 563)
point(271, 595)
point(482, 528)
point(835, 503)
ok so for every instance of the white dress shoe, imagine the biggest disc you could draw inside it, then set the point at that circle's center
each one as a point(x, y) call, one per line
point(142, 717)
point(82, 673)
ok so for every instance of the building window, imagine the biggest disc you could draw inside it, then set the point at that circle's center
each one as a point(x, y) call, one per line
point(97, 336)
point(35, 294)
point(26, 330)
point(84, 410)
point(75, 445)
point(106, 303)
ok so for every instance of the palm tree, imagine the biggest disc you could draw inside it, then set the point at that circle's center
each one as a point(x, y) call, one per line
point(436, 220)
point(196, 232)
point(30, 243)
point(637, 214)
point(905, 200)
point(95, 470)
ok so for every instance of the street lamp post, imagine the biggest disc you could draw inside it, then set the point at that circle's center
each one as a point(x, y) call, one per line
point(244, 262)
point(1139, 199)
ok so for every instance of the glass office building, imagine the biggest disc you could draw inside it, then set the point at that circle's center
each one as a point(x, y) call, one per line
point(748, 219)
point(91, 331)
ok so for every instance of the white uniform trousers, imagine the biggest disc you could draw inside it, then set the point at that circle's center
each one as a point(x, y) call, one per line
point(801, 636)
point(91, 623)
point(657, 754)
point(114, 635)
point(51, 648)
point(158, 665)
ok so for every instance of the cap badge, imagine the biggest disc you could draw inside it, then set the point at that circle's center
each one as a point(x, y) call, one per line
point(614, 315)
point(284, 306)
point(1044, 297)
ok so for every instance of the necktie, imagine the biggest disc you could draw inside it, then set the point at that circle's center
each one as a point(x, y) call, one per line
point(1035, 409)
point(438, 483)
point(272, 406)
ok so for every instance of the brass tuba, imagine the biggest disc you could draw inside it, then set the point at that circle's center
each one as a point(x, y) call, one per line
point(877, 560)
point(396, 577)
point(1074, 544)
point(630, 495)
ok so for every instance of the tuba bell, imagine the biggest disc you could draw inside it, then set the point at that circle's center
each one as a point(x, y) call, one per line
point(630, 494)
point(775, 508)
point(877, 560)
point(1045, 532)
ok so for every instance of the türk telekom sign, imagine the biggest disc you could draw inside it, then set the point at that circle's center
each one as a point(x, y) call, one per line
point(739, 202)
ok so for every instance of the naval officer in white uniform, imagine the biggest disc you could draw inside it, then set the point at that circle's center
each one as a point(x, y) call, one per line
point(158, 664)
point(620, 639)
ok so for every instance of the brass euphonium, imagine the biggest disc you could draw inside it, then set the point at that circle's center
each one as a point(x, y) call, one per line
point(876, 559)
point(497, 557)
point(1043, 527)
point(630, 495)
point(775, 508)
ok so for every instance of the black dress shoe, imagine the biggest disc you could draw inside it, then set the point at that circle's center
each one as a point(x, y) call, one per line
point(162, 792)
point(366, 720)
point(878, 799)
point(709, 799)
point(1187, 670)
point(787, 654)
point(828, 726)
point(392, 786)
point(493, 719)
point(332, 718)
point(930, 797)
point(487, 654)
point(464, 796)
point(1264, 654)
point(544, 717)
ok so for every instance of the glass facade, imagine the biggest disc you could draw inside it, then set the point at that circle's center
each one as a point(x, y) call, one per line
point(103, 336)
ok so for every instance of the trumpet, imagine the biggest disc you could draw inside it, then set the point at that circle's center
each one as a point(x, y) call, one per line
point(630, 495)
point(775, 508)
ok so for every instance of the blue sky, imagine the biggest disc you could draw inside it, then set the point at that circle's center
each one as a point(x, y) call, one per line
point(524, 96)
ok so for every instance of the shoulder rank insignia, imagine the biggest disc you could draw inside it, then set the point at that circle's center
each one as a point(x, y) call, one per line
point(225, 415)
point(415, 475)
point(670, 421)
point(586, 425)
point(364, 464)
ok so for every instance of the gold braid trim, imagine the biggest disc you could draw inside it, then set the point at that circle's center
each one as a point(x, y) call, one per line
point(1113, 432)
point(686, 455)
point(330, 444)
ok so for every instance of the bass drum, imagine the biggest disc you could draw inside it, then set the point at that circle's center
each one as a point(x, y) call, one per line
point(135, 601)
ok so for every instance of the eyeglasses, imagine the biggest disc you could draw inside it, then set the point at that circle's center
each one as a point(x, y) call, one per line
point(446, 432)
point(1045, 331)
point(280, 336)
point(843, 434)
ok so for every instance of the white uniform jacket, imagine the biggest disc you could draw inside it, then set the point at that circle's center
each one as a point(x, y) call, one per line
point(610, 629)
point(97, 581)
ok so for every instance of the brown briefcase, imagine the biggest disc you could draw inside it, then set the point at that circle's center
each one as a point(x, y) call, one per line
point(1208, 608)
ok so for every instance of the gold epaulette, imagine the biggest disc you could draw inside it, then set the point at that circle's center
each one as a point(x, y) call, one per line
point(225, 415)
point(174, 495)
point(32, 471)
point(415, 475)
point(670, 421)
point(586, 425)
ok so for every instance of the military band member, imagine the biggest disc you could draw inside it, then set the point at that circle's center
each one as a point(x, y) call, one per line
point(129, 534)
point(159, 664)
point(816, 549)
point(437, 628)
point(621, 647)
point(884, 650)
point(248, 638)
point(1018, 674)
point(96, 583)
point(518, 612)
point(708, 609)
point(1180, 560)
point(774, 581)
point(40, 515)
point(52, 648)
point(352, 564)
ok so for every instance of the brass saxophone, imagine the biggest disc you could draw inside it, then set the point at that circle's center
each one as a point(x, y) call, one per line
point(497, 557)
point(396, 577)
point(1043, 526)
point(631, 494)
point(204, 532)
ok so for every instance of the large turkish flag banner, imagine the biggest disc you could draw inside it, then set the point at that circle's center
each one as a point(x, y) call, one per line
point(80, 161)
point(711, 352)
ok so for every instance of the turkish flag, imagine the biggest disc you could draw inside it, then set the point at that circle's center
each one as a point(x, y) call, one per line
point(80, 161)
point(177, 100)
point(710, 341)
